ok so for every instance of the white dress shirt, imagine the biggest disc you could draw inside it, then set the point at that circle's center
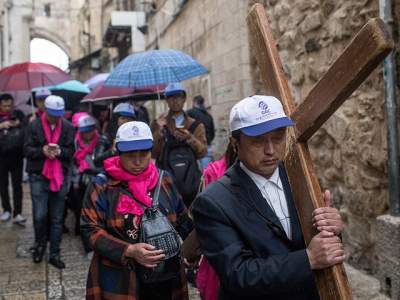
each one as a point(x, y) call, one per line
point(272, 191)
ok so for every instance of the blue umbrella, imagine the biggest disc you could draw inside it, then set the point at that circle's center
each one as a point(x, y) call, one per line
point(154, 67)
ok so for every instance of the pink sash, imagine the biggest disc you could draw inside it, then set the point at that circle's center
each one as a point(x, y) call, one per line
point(207, 280)
point(52, 168)
point(139, 185)
point(84, 150)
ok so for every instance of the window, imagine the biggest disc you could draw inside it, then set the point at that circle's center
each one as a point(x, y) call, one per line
point(47, 10)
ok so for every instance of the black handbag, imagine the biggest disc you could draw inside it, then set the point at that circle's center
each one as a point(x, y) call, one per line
point(156, 230)
point(11, 140)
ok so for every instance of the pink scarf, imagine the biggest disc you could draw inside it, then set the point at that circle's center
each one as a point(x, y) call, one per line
point(207, 280)
point(214, 171)
point(4, 116)
point(52, 168)
point(76, 117)
point(84, 149)
point(39, 113)
point(139, 185)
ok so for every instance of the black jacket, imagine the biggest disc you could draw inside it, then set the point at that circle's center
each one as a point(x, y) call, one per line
point(103, 150)
point(35, 140)
point(246, 244)
point(16, 149)
point(201, 115)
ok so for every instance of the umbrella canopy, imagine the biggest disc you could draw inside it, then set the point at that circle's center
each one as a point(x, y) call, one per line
point(26, 76)
point(154, 67)
point(105, 94)
point(71, 91)
point(96, 80)
point(71, 86)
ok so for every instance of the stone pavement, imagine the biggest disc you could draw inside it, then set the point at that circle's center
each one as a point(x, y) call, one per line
point(21, 279)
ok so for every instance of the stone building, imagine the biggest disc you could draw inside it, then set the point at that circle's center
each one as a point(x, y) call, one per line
point(350, 151)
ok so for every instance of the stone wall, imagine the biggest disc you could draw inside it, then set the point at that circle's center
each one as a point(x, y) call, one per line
point(350, 150)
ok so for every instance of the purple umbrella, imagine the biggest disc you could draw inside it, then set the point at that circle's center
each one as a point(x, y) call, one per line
point(96, 80)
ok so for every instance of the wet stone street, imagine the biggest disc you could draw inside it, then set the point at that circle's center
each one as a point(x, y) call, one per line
point(22, 279)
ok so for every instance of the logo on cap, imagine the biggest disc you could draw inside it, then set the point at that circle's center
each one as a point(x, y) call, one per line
point(264, 107)
point(135, 130)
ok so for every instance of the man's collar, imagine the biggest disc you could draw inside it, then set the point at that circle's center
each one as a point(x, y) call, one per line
point(170, 114)
point(261, 180)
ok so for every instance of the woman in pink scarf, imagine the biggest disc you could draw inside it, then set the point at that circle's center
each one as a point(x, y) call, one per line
point(86, 139)
point(207, 280)
point(111, 220)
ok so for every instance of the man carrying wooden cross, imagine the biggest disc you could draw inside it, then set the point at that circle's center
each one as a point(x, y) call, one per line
point(247, 222)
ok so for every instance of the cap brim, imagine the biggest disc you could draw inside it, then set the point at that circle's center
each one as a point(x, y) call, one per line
point(172, 93)
point(55, 112)
point(125, 114)
point(266, 127)
point(87, 128)
point(134, 145)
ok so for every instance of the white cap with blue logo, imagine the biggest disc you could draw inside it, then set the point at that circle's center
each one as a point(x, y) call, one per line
point(173, 89)
point(86, 123)
point(125, 109)
point(257, 115)
point(42, 93)
point(54, 106)
point(134, 136)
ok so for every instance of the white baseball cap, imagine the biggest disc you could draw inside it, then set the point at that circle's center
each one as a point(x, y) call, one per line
point(42, 93)
point(54, 106)
point(125, 109)
point(133, 136)
point(86, 123)
point(257, 115)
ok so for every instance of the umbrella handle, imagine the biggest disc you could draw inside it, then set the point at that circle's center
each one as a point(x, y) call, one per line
point(32, 104)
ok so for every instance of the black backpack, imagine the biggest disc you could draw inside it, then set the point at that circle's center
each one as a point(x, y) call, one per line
point(180, 161)
point(11, 140)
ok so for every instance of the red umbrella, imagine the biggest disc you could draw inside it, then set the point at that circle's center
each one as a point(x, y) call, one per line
point(26, 76)
point(102, 93)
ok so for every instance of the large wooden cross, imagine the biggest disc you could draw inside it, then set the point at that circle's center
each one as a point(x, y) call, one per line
point(365, 52)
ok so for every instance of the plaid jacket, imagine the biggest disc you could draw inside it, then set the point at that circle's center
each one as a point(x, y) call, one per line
point(109, 276)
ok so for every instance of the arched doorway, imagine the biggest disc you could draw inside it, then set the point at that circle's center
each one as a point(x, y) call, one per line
point(43, 50)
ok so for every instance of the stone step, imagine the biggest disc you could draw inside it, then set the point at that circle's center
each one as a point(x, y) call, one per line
point(364, 286)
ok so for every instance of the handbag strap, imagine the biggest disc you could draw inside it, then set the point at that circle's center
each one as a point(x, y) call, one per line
point(158, 189)
point(155, 195)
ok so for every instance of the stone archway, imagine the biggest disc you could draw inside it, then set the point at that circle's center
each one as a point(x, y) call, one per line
point(43, 33)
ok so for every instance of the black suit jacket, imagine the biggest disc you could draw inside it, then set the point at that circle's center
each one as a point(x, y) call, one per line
point(244, 241)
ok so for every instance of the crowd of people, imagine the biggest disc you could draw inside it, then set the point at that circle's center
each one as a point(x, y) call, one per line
point(150, 202)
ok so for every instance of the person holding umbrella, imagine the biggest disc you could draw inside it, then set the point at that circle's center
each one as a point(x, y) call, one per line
point(39, 97)
point(49, 147)
point(177, 135)
point(119, 203)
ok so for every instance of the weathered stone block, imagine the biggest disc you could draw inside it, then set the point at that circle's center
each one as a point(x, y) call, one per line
point(311, 22)
point(388, 251)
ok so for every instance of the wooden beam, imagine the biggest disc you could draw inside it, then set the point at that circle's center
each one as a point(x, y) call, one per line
point(332, 282)
point(365, 52)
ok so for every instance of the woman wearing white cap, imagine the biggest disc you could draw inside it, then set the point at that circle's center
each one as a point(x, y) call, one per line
point(126, 209)
point(86, 140)
point(122, 113)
